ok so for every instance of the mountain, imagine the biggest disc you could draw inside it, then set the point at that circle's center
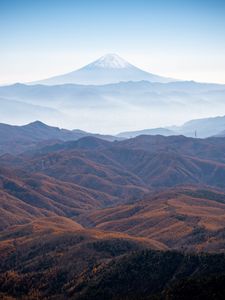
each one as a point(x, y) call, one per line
point(89, 218)
point(143, 187)
point(131, 168)
point(153, 131)
point(109, 68)
point(202, 128)
point(16, 139)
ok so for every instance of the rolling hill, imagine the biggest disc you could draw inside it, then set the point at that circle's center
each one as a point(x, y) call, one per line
point(26, 196)
point(195, 216)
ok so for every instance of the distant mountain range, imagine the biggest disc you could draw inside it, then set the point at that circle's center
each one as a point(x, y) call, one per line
point(109, 68)
point(16, 139)
point(113, 107)
point(201, 128)
point(152, 131)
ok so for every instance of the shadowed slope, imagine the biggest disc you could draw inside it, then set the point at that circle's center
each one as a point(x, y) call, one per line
point(43, 257)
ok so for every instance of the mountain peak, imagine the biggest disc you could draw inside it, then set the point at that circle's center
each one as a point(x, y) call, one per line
point(110, 61)
point(36, 124)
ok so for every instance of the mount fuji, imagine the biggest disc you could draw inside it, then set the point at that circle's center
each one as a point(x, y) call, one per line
point(109, 68)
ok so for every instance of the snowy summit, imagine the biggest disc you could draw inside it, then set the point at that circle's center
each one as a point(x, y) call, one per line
point(110, 61)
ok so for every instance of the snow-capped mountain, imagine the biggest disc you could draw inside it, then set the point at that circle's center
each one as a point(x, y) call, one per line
point(109, 68)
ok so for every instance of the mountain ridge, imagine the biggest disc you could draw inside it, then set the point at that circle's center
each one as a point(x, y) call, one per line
point(202, 128)
point(26, 137)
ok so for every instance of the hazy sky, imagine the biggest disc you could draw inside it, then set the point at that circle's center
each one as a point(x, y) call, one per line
point(181, 39)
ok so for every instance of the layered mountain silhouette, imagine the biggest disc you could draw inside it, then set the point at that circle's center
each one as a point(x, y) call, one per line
point(17, 139)
point(201, 128)
point(136, 105)
point(109, 68)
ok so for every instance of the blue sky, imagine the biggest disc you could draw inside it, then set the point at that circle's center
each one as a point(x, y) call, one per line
point(179, 39)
